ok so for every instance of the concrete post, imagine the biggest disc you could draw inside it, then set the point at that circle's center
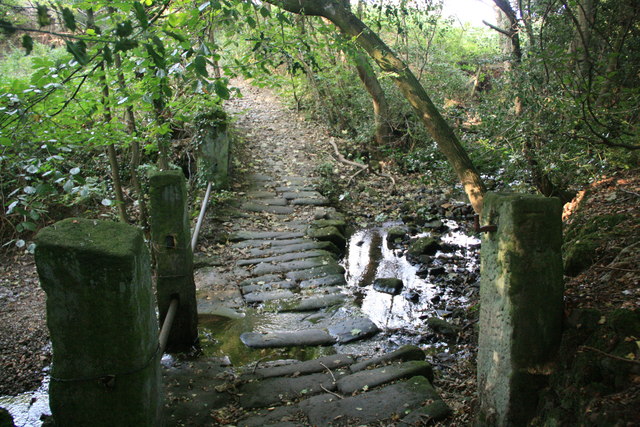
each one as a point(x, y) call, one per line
point(213, 151)
point(103, 326)
point(171, 243)
point(521, 304)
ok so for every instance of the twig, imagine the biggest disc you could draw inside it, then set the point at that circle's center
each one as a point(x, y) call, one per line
point(258, 362)
point(616, 268)
point(342, 159)
point(330, 392)
point(331, 373)
point(630, 192)
point(362, 167)
point(612, 356)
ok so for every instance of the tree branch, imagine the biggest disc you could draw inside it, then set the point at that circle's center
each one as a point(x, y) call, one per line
point(500, 30)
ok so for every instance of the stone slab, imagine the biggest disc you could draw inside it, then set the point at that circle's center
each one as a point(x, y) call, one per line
point(257, 297)
point(272, 391)
point(261, 280)
point(287, 338)
point(284, 267)
point(260, 194)
point(371, 378)
point(333, 280)
point(293, 188)
point(315, 302)
point(303, 245)
point(265, 235)
point(309, 201)
point(315, 273)
point(262, 243)
point(404, 353)
point(372, 406)
point(283, 284)
point(292, 256)
point(353, 329)
point(301, 194)
point(270, 201)
point(258, 207)
point(309, 367)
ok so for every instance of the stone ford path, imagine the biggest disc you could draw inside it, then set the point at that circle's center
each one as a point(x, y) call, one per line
point(282, 258)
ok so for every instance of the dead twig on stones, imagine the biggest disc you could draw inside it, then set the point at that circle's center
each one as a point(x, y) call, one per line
point(330, 373)
point(362, 167)
point(611, 356)
point(331, 392)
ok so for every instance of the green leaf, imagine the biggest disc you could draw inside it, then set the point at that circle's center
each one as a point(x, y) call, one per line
point(79, 51)
point(27, 225)
point(69, 19)
point(27, 43)
point(251, 22)
point(220, 86)
point(265, 12)
point(124, 45)
point(157, 59)
point(106, 54)
point(141, 15)
point(159, 45)
point(200, 65)
point(43, 15)
point(124, 29)
point(7, 27)
point(176, 36)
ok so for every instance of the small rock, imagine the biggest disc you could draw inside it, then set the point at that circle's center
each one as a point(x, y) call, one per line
point(391, 286)
point(396, 235)
point(443, 327)
point(423, 246)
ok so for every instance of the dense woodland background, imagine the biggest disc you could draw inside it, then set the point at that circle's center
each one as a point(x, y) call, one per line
point(93, 94)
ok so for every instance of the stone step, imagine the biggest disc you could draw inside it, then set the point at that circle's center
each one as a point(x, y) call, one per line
point(303, 368)
point(413, 401)
point(270, 391)
point(271, 243)
point(310, 201)
point(302, 194)
point(258, 207)
point(291, 256)
point(265, 235)
point(371, 378)
point(303, 245)
point(289, 266)
point(287, 338)
point(316, 272)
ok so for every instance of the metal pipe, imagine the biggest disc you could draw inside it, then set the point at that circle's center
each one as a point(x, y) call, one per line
point(203, 210)
point(166, 325)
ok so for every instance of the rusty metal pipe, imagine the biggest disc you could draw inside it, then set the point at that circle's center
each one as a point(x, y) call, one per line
point(166, 325)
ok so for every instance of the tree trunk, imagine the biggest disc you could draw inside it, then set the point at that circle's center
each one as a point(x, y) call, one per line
point(135, 145)
point(441, 132)
point(381, 113)
point(111, 151)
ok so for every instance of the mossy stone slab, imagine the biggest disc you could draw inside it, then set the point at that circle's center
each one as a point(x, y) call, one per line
point(371, 378)
point(308, 337)
point(333, 361)
point(353, 329)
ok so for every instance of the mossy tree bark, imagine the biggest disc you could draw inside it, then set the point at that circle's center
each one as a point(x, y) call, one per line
point(440, 131)
point(111, 151)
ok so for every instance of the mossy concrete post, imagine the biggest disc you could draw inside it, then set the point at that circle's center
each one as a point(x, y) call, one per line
point(521, 304)
point(102, 320)
point(214, 151)
point(171, 243)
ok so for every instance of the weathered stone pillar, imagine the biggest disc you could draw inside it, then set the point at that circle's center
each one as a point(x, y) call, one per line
point(521, 304)
point(171, 243)
point(213, 151)
point(103, 326)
